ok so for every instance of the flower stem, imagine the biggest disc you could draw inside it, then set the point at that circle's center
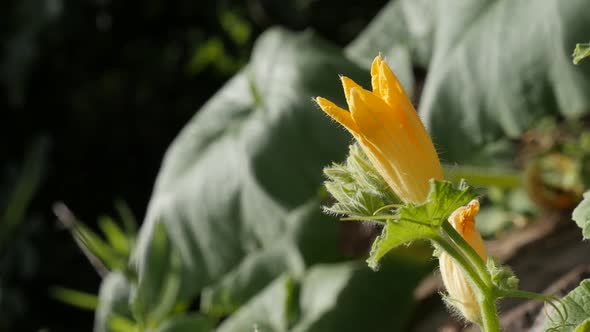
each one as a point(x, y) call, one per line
point(474, 259)
point(450, 248)
point(485, 177)
point(489, 313)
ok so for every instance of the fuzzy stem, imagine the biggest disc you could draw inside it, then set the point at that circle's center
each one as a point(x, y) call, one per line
point(473, 257)
point(489, 313)
point(450, 248)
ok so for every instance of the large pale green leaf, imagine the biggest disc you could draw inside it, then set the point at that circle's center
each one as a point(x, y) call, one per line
point(577, 304)
point(266, 312)
point(328, 298)
point(403, 33)
point(349, 297)
point(499, 66)
point(252, 156)
point(581, 215)
point(296, 248)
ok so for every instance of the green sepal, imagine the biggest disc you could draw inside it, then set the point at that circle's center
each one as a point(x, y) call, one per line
point(414, 222)
point(581, 51)
point(502, 276)
point(356, 186)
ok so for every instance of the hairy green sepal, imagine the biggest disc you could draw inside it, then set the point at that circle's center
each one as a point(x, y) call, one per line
point(356, 186)
point(502, 276)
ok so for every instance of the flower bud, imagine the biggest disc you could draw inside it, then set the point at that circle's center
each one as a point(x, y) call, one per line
point(461, 294)
point(389, 130)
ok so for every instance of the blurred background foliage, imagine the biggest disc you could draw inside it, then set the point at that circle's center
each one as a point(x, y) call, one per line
point(233, 236)
point(108, 84)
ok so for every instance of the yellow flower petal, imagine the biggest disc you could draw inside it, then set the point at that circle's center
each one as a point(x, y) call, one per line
point(375, 77)
point(389, 130)
point(463, 220)
point(340, 115)
point(390, 134)
point(348, 85)
point(390, 89)
point(380, 162)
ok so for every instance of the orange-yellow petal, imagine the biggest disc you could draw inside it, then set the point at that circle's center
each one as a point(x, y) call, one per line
point(348, 85)
point(375, 80)
point(391, 89)
point(378, 125)
point(463, 220)
point(389, 173)
point(337, 113)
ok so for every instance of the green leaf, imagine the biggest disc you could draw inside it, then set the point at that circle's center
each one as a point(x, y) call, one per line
point(498, 67)
point(349, 297)
point(151, 305)
point(126, 216)
point(327, 299)
point(14, 210)
point(293, 251)
point(96, 246)
point(75, 298)
point(580, 52)
point(233, 179)
point(577, 304)
point(116, 237)
point(252, 275)
point(581, 215)
point(188, 323)
point(266, 312)
point(114, 296)
point(403, 33)
point(118, 323)
point(414, 222)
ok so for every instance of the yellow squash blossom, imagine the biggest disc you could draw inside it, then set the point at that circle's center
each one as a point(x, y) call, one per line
point(460, 292)
point(387, 127)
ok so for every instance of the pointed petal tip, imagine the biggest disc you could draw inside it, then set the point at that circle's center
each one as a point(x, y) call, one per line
point(346, 81)
point(322, 102)
point(337, 113)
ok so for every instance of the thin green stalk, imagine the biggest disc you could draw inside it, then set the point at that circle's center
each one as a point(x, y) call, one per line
point(551, 300)
point(485, 177)
point(450, 248)
point(469, 252)
point(489, 313)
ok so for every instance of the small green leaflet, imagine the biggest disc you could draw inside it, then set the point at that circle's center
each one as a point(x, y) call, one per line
point(414, 222)
point(577, 304)
point(581, 215)
point(584, 327)
point(580, 52)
